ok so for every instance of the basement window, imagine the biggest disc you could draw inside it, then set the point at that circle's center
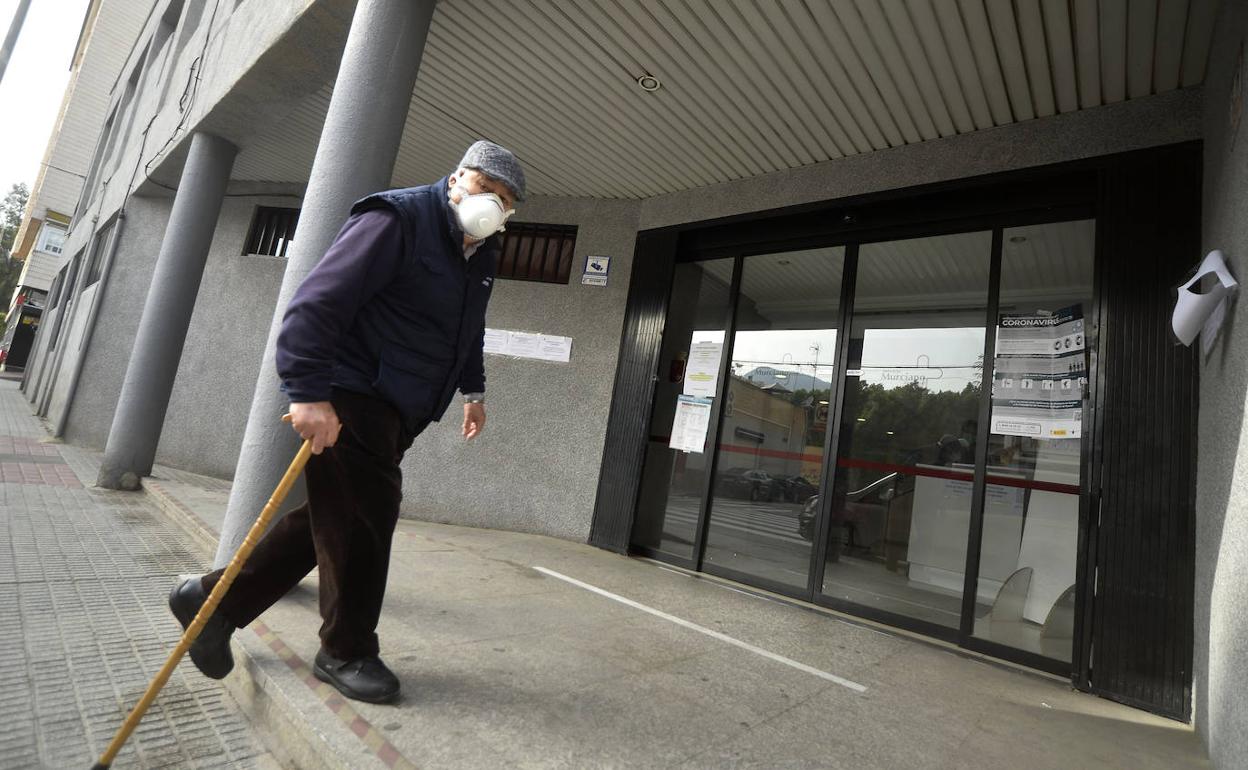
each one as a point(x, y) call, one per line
point(272, 231)
point(537, 252)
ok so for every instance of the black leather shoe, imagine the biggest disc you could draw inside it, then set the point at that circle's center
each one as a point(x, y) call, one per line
point(211, 651)
point(365, 679)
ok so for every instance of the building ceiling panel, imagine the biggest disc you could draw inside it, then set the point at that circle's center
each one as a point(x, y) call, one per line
point(750, 87)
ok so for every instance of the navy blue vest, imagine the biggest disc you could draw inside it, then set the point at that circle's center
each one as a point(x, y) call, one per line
point(419, 339)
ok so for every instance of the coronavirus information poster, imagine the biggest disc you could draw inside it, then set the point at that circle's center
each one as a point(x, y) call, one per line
point(1040, 375)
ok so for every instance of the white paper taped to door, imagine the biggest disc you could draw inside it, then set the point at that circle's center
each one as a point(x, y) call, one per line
point(1193, 309)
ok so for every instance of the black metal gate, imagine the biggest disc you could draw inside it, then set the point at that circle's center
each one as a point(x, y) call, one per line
point(1139, 650)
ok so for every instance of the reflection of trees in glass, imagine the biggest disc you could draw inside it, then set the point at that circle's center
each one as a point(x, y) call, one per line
point(905, 425)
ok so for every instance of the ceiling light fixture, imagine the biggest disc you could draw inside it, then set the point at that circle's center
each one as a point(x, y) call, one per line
point(649, 83)
point(1018, 239)
point(783, 262)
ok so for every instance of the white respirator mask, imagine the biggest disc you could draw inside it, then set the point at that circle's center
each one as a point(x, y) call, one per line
point(480, 214)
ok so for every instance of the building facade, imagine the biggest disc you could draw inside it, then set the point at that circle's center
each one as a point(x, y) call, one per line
point(868, 304)
point(108, 32)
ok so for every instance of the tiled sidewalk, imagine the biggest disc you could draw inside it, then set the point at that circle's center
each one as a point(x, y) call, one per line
point(83, 623)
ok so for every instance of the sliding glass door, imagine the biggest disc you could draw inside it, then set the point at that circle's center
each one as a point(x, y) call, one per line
point(892, 428)
point(770, 455)
point(1029, 549)
point(674, 481)
point(901, 498)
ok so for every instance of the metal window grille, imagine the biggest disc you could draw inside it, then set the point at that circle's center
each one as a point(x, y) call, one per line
point(272, 231)
point(536, 252)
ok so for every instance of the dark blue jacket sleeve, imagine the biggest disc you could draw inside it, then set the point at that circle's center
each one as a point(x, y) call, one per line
point(362, 260)
point(472, 378)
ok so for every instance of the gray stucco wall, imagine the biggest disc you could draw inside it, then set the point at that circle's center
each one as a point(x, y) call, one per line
point(1221, 632)
point(32, 379)
point(104, 365)
point(535, 468)
point(217, 375)
point(208, 407)
point(71, 338)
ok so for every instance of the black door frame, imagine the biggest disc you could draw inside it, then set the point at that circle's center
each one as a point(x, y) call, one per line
point(1067, 191)
point(963, 636)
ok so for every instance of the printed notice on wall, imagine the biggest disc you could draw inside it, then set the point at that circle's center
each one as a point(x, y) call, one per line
point(1040, 375)
point(693, 418)
point(554, 348)
point(496, 340)
point(543, 347)
point(702, 371)
point(524, 345)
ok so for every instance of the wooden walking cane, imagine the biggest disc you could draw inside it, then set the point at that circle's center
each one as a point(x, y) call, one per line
point(210, 605)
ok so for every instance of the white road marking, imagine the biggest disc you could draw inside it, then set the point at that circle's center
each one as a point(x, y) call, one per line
point(673, 571)
point(709, 632)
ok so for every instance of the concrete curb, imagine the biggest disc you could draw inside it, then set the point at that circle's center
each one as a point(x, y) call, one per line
point(291, 719)
point(205, 539)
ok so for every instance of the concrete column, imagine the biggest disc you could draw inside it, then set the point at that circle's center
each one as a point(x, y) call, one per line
point(140, 414)
point(359, 143)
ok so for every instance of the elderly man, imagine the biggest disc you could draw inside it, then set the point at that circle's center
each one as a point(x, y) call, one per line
point(372, 348)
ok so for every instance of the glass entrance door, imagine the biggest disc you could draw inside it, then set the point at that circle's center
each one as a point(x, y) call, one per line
point(673, 482)
point(840, 443)
point(769, 458)
point(900, 506)
point(1025, 597)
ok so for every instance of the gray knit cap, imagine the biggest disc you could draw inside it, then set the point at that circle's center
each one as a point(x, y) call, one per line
point(496, 162)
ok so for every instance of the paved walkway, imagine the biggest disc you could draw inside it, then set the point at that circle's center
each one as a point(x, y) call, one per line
point(514, 651)
point(83, 627)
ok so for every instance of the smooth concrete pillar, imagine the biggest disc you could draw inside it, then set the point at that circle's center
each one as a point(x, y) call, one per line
point(355, 157)
point(140, 414)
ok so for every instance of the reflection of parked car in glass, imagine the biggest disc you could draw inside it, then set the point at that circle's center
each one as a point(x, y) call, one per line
point(797, 489)
point(860, 505)
point(754, 485)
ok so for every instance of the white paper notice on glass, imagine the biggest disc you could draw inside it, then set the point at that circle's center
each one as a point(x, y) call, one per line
point(551, 348)
point(693, 418)
point(524, 344)
point(496, 340)
point(702, 370)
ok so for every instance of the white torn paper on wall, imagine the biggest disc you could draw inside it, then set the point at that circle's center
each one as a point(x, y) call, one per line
point(1197, 312)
